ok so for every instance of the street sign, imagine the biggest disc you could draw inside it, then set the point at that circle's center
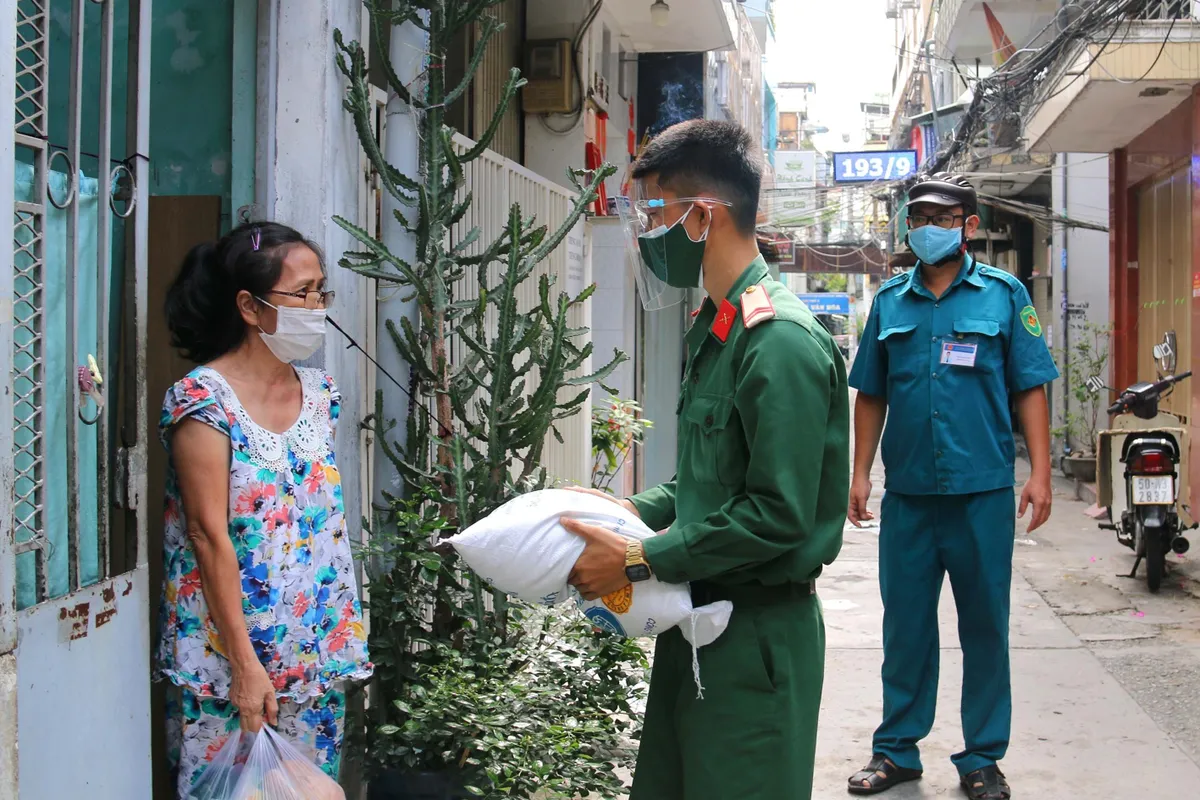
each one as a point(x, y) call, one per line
point(795, 169)
point(874, 165)
point(826, 302)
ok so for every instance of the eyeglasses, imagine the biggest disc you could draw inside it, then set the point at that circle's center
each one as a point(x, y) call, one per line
point(940, 220)
point(311, 299)
point(650, 212)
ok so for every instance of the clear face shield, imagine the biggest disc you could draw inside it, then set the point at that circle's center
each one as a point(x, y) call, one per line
point(665, 259)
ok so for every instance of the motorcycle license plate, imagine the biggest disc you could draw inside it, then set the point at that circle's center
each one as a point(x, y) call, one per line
point(1156, 491)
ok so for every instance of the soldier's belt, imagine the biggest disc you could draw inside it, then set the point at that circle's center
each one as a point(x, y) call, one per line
point(704, 592)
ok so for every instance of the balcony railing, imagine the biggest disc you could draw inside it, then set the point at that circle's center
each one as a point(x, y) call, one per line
point(1168, 10)
point(497, 183)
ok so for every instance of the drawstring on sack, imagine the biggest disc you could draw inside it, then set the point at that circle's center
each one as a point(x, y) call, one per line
point(696, 659)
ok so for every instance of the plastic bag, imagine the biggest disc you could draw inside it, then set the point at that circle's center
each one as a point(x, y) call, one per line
point(263, 766)
point(523, 550)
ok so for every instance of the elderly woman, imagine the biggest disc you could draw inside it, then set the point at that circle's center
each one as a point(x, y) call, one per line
point(260, 616)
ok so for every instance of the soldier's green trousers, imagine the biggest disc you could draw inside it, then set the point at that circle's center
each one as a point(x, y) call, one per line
point(753, 736)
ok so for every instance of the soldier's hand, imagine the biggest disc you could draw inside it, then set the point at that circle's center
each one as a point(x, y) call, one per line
point(600, 570)
point(1038, 493)
point(860, 493)
point(623, 503)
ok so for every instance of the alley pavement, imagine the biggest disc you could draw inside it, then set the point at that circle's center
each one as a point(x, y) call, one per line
point(1106, 677)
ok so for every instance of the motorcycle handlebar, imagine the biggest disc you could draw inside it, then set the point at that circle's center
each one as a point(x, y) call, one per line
point(1123, 402)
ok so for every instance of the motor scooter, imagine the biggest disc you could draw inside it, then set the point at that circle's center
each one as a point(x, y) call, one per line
point(1144, 507)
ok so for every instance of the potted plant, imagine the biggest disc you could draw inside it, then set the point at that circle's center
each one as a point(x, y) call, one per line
point(1087, 357)
point(548, 708)
point(617, 427)
point(474, 694)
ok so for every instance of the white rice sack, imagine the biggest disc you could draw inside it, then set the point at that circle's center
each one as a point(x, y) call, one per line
point(523, 550)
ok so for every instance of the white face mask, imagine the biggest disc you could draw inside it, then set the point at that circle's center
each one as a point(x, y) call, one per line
point(299, 332)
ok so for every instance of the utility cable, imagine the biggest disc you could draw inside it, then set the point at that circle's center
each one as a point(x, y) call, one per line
point(443, 432)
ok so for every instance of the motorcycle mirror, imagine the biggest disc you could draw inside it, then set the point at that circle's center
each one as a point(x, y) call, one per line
point(1095, 383)
point(1165, 354)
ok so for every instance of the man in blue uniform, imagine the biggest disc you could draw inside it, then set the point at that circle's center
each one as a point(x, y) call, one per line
point(947, 347)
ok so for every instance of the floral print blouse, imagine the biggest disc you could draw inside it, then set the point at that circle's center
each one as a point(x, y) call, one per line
point(287, 523)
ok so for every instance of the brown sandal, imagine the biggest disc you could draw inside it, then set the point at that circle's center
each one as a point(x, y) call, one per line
point(879, 775)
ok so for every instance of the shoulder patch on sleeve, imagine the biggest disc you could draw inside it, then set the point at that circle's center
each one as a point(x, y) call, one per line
point(756, 306)
point(1030, 321)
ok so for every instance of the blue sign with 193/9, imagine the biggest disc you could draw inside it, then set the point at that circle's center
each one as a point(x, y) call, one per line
point(826, 302)
point(878, 165)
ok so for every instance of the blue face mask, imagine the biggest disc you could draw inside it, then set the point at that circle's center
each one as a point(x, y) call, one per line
point(932, 244)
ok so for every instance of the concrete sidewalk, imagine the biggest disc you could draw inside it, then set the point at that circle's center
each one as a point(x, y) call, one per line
point(1076, 731)
point(1079, 729)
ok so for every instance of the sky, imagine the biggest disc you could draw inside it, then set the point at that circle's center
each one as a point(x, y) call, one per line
point(846, 47)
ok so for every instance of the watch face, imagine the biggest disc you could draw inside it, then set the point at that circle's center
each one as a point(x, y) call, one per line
point(637, 572)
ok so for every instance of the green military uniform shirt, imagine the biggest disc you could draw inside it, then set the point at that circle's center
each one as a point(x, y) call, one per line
point(763, 462)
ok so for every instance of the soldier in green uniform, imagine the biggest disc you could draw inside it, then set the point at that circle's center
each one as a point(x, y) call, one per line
point(759, 499)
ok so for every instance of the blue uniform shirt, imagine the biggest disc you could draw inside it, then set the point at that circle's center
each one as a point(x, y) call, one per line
point(947, 368)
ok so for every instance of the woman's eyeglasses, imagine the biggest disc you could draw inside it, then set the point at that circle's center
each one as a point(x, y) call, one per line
point(311, 299)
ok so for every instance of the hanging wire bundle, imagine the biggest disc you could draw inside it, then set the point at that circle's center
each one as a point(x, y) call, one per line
point(1031, 76)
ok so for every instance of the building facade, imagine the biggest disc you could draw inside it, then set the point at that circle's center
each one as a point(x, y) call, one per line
point(139, 130)
point(109, 190)
point(1137, 105)
point(704, 61)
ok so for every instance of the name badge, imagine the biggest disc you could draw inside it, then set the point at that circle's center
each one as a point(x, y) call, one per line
point(957, 354)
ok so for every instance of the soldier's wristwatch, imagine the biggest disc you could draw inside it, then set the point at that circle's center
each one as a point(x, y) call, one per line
point(636, 567)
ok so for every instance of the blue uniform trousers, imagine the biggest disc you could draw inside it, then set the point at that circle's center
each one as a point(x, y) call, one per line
point(922, 538)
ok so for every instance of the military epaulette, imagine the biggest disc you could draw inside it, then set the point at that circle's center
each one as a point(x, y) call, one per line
point(988, 271)
point(895, 280)
point(756, 306)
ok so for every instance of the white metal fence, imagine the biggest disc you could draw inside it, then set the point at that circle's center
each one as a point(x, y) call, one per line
point(497, 183)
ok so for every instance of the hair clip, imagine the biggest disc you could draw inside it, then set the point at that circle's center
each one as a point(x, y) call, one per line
point(256, 238)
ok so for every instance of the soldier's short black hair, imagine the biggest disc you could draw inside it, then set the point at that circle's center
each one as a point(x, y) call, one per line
point(708, 156)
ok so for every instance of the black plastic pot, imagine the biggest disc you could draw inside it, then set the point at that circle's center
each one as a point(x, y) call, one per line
point(396, 784)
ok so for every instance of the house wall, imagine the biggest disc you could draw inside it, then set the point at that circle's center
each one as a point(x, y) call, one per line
point(1170, 145)
point(552, 153)
point(309, 171)
point(1079, 265)
point(614, 318)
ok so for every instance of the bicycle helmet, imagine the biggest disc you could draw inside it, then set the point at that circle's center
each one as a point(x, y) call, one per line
point(944, 189)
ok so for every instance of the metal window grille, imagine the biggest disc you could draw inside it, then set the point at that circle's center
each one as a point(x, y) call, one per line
point(32, 382)
point(28, 363)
